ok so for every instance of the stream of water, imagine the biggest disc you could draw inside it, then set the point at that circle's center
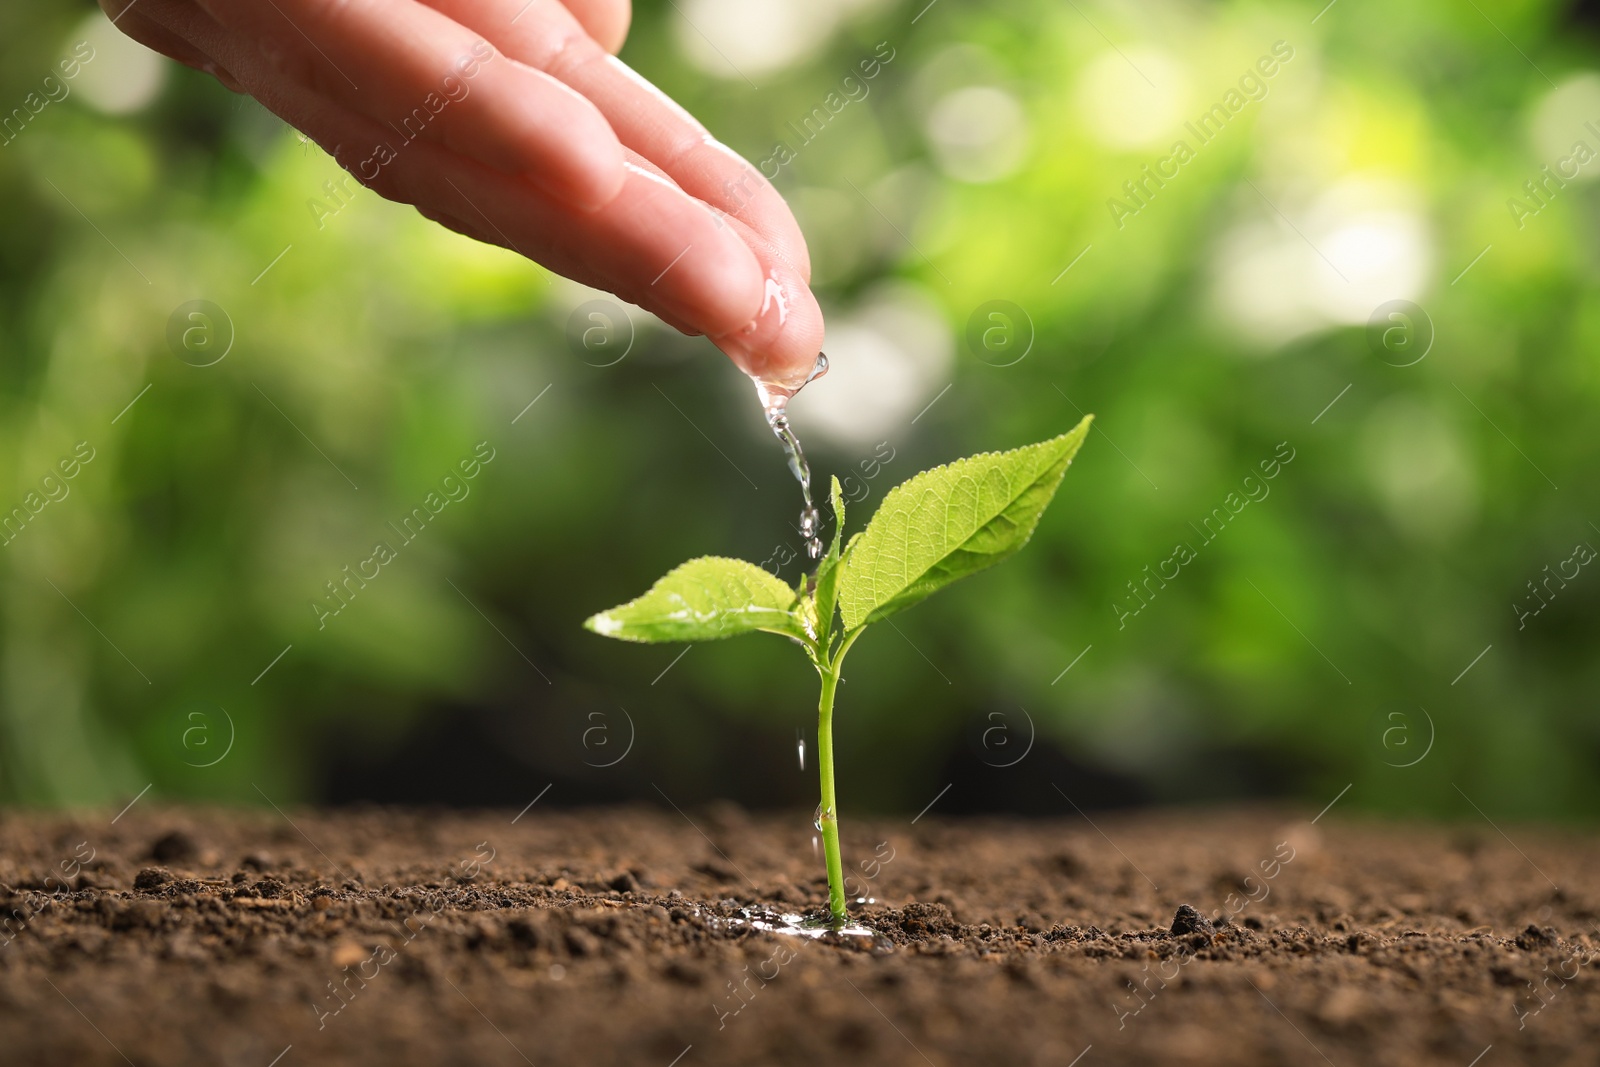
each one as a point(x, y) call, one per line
point(775, 402)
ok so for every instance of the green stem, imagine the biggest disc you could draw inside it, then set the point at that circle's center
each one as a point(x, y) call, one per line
point(829, 819)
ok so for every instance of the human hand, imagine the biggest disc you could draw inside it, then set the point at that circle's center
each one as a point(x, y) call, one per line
point(512, 122)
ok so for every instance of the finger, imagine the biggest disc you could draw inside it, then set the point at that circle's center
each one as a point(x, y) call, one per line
point(144, 26)
point(158, 38)
point(779, 345)
point(545, 35)
point(655, 126)
point(604, 20)
point(429, 78)
point(653, 245)
point(452, 222)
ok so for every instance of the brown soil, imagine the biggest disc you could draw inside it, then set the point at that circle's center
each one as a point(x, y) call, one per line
point(622, 937)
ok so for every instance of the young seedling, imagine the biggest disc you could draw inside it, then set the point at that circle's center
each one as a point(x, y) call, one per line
point(938, 526)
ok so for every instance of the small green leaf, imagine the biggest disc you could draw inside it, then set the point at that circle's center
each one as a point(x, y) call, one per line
point(950, 522)
point(828, 570)
point(836, 500)
point(703, 600)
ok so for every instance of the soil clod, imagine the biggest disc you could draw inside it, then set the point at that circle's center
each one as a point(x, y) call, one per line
point(151, 878)
point(1189, 921)
point(175, 846)
point(1533, 938)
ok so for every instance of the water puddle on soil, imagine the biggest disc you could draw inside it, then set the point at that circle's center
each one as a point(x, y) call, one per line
point(775, 402)
point(786, 923)
point(810, 929)
point(792, 924)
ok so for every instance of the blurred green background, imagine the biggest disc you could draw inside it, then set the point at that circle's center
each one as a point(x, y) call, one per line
point(1369, 622)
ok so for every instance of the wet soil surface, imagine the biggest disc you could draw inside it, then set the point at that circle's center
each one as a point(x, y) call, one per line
point(634, 937)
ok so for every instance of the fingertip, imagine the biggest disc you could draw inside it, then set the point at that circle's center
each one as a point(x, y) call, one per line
point(606, 21)
point(611, 29)
point(780, 345)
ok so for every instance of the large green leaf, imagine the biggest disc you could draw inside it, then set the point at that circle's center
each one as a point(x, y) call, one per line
point(950, 522)
point(703, 600)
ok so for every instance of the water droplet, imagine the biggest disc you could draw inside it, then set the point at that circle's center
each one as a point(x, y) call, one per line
point(817, 819)
point(800, 745)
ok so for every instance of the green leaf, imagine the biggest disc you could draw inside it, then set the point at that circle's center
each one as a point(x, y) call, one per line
point(704, 600)
point(828, 570)
point(950, 522)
